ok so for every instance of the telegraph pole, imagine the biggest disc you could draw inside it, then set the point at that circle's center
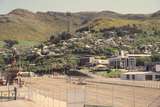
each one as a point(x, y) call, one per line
point(68, 14)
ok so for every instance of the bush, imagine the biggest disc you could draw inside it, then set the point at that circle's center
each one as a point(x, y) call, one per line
point(110, 74)
point(155, 57)
point(61, 36)
point(10, 43)
point(142, 61)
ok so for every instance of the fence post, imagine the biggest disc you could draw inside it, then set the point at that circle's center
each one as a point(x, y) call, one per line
point(8, 95)
point(1, 95)
point(15, 93)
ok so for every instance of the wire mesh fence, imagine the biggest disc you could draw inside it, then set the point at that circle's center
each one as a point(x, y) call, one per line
point(59, 93)
point(8, 95)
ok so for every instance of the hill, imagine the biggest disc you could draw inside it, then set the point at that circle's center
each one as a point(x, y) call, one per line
point(22, 24)
point(25, 25)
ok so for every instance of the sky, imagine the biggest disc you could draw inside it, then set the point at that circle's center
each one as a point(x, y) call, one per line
point(120, 6)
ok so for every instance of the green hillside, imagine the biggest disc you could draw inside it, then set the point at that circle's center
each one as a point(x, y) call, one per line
point(22, 24)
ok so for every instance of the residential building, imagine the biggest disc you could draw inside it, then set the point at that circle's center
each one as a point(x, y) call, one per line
point(123, 62)
point(140, 76)
point(154, 67)
point(87, 60)
point(102, 61)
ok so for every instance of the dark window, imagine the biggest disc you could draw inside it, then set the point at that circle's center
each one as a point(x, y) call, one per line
point(127, 76)
point(148, 77)
point(133, 77)
point(157, 77)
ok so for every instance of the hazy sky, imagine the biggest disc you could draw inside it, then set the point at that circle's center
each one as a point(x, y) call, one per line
point(121, 6)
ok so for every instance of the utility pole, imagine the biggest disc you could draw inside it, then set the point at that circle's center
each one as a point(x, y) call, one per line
point(68, 14)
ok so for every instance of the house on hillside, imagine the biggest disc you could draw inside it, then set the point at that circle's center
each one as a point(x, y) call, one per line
point(87, 61)
point(93, 61)
point(123, 61)
point(101, 64)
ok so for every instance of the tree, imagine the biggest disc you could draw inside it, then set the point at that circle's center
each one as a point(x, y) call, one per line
point(70, 60)
point(8, 58)
point(2, 62)
point(61, 36)
point(11, 54)
point(141, 61)
point(155, 57)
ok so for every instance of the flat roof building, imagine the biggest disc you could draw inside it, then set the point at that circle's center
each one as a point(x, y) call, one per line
point(140, 76)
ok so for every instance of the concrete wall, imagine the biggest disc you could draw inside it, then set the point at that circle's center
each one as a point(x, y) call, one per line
point(138, 77)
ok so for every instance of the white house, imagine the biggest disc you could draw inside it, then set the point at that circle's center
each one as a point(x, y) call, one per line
point(140, 76)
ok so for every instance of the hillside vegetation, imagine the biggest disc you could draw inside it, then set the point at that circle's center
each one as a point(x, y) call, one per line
point(22, 24)
point(42, 39)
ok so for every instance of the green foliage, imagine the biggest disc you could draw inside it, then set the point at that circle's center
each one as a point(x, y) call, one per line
point(105, 51)
point(143, 39)
point(141, 61)
point(1, 44)
point(155, 57)
point(59, 37)
point(8, 57)
point(10, 43)
point(26, 44)
point(113, 73)
point(2, 62)
point(30, 29)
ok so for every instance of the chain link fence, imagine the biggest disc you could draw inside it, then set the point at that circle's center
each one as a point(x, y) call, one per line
point(69, 94)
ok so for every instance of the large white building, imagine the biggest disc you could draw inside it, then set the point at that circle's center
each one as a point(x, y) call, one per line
point(125, 60)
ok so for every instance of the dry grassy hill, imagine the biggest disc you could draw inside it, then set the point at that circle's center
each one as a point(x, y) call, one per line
point(22, 24)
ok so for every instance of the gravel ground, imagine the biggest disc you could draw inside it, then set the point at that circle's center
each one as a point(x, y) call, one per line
point(99, 94)
point(92, 93)
point(17, 103)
